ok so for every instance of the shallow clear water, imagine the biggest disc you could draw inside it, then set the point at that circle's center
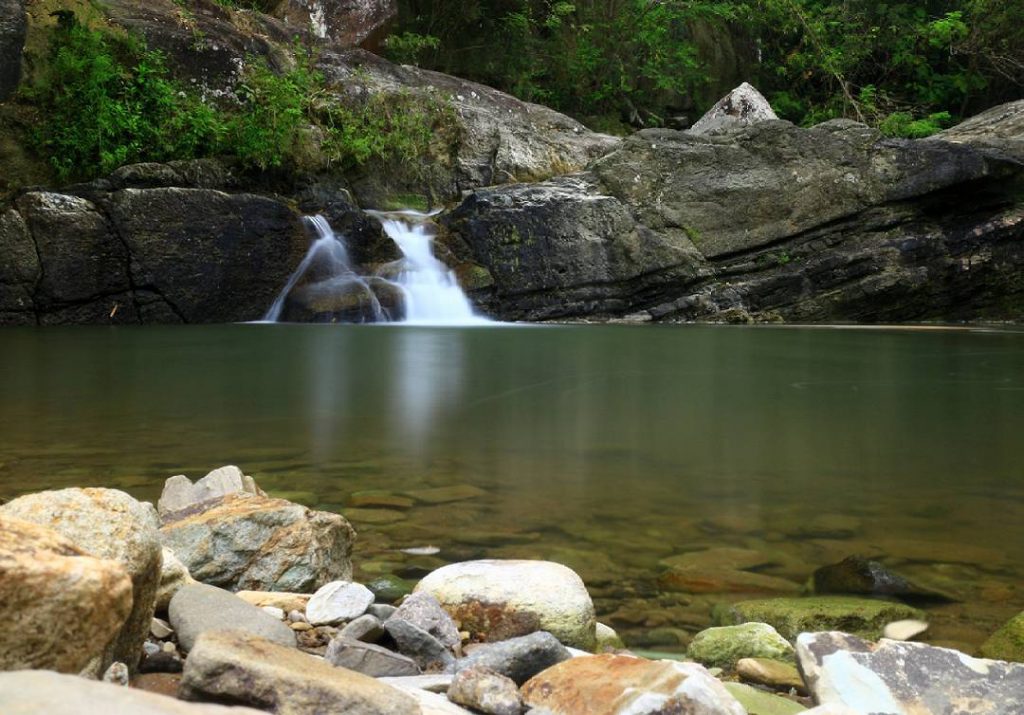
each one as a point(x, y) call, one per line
point(606, 447)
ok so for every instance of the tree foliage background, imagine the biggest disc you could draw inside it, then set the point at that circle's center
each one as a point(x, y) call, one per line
point(909, 67)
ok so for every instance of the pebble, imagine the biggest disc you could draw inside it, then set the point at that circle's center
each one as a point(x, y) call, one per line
point(904, 630)
point(169, 648)
point(117, 674)
point(301, 626)
point(297, 617)
point(274, 611)
point(338, 601)
point(159, 628)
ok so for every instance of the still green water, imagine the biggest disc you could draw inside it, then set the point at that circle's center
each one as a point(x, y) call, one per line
point(605, 447)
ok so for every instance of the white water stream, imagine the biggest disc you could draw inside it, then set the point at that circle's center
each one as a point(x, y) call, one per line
point(430, 293)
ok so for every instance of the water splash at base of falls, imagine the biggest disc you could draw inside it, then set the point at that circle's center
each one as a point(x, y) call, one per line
point(418, 289)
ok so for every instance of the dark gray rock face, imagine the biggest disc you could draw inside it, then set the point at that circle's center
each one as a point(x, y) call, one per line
point(761, 222)
point(346, 22)
point(199, 608)
point(857, 575)
point(429, 653)
point(517, 658)
point(112, 252)
point(422, 610)
point(12, 39)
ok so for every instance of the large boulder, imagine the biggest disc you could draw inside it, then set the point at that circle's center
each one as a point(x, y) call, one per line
point(346, 22)
point(906, 678)
point(59, 606)
point(1001, 127)
point(618, 684)
point(248, 542)
point(199, 608)
point(19, 271)
point(757, 221)
point(12, 39)
point(494, 599)
point(111, 525)
point(28, 692)
point(237, 668)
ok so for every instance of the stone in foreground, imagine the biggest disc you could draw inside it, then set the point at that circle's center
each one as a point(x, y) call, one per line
point(518, 658)
point(620, 685)
point(769, 672)
point(1008, 642)
point(423, 610)
point(247, 542)
point(173, 576)
point(495, 599)
point(34, 692)
point(199, 608)
point(233, 667)
point(338, 601)
point(369, 659)
point(721, 647)
point(900, 678)
point(485, 691)
point(59, 606)
point(109, 524)
point(792, 616)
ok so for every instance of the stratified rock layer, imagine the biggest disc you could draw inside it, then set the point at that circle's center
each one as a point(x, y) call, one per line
point(247, 542)
point(59, 606)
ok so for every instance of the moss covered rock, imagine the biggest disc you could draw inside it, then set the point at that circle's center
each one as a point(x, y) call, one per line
point(862, 617)
point(723, 646)
point(1008, 642)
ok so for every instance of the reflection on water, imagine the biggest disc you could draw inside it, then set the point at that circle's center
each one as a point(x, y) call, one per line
point(606, 447)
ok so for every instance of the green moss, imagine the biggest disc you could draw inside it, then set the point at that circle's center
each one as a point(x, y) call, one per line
point(723, 646)
point(791, 616)
point(1008, 642)
point(397, 202)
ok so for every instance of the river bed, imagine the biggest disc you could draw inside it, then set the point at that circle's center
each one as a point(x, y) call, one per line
point(609, 448)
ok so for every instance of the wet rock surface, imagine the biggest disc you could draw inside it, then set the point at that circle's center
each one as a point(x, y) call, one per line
point(723, 646)
point(898, 677)
point(792, 616)
point(517, 658)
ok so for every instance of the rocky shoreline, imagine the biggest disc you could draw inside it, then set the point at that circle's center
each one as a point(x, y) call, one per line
point(224, 596)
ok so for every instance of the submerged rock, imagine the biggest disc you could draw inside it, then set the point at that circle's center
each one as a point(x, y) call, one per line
point(1007, 643)
point(199, 608)
point(238, 668)
point(247, 542)
point(857, 575)
point(793, 616)
point(618, 684)
point(59, 606)
point(721, 647)
point(906, 678)
point(494, 600)
point(111, 525)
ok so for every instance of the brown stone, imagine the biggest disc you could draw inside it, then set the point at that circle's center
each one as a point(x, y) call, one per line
point(59, 606)
point(694, 579)
point(615, 684)
point(284, 600)
point(772, 673)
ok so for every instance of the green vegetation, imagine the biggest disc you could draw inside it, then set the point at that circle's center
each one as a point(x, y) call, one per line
point(104, 100)
point(908, 67)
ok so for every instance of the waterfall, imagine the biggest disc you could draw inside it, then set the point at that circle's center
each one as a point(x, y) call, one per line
point(417, 289)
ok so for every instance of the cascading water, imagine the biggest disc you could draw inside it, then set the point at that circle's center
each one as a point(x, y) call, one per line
point(419, 288)
point(432, 293)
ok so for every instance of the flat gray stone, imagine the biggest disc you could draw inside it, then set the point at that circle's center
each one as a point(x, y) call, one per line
point(369, 659)
point(902, 678)
point(518, 658)
point(338, 601)
point(198, 608)
point(432, 682)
